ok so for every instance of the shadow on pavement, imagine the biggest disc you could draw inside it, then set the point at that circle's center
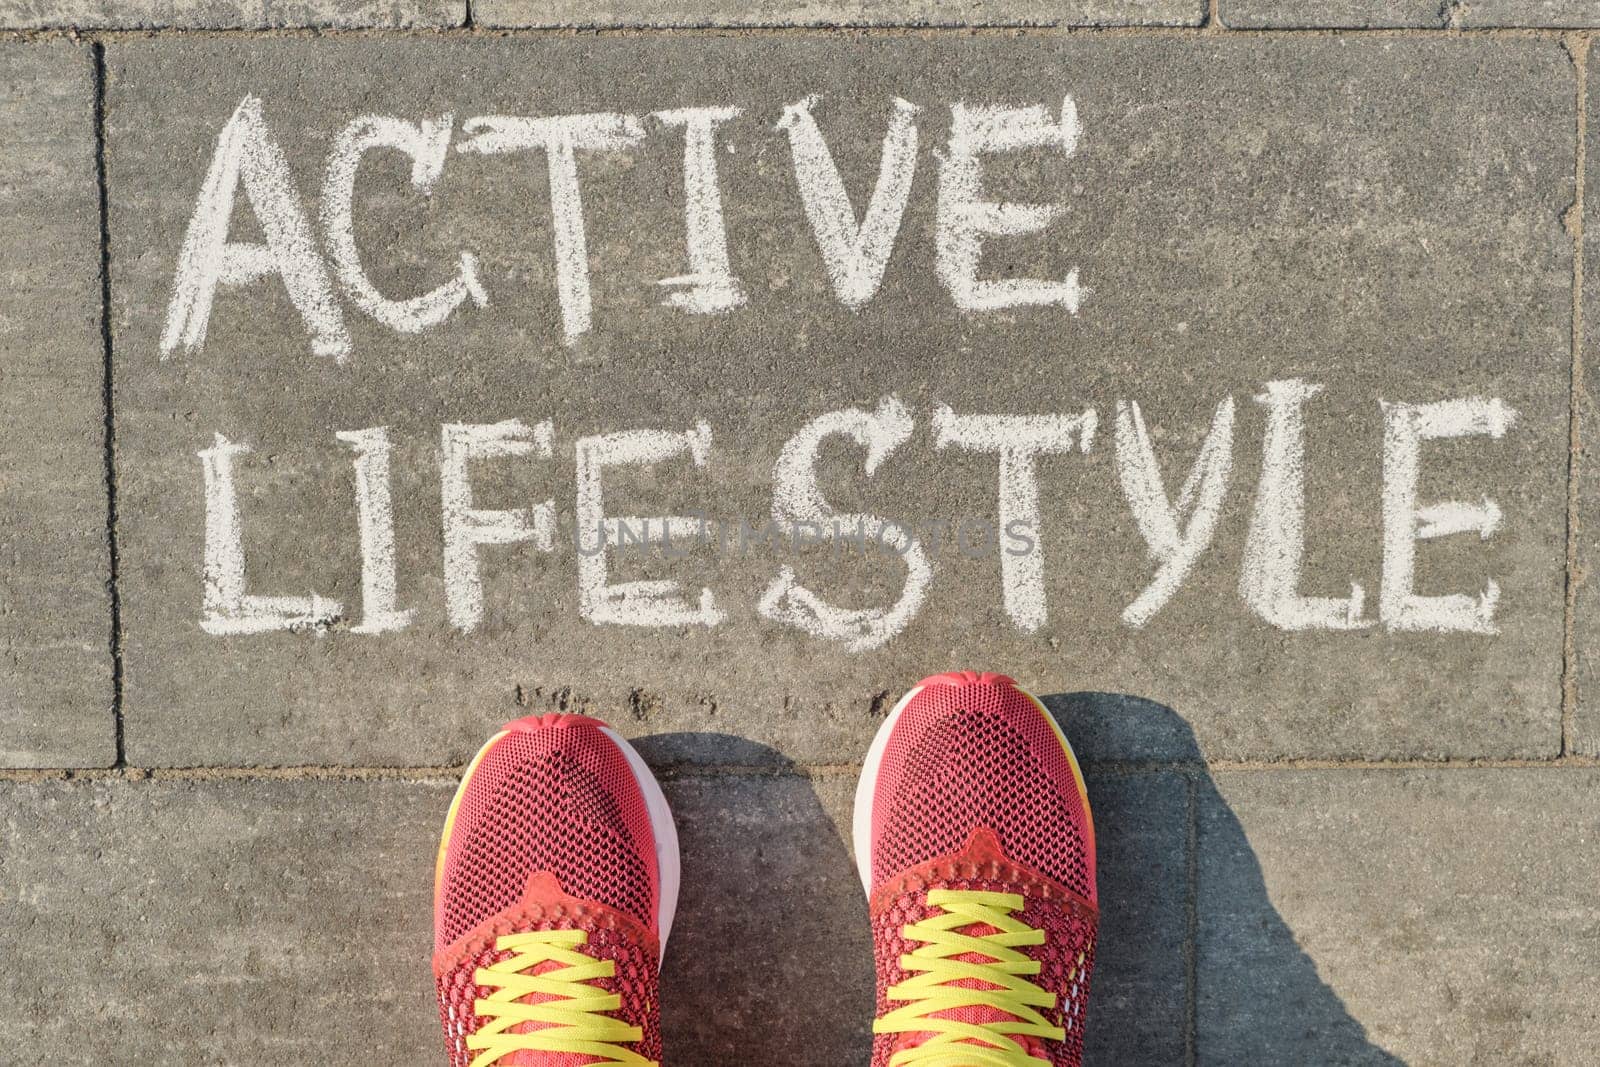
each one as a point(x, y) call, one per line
point(1260, 999)
point(770, 957)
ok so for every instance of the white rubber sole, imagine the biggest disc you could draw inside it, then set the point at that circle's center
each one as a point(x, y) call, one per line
point(867, 785)
point(867, 788)
point(669, 864)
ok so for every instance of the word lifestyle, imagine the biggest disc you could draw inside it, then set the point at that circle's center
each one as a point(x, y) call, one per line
point(1176, 530)
point(318, 263)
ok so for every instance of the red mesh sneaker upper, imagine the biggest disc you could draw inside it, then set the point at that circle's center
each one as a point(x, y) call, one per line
point(975, 791)
point(973, 751)
point(612, 936)
point(549, 831)
point(552, 794)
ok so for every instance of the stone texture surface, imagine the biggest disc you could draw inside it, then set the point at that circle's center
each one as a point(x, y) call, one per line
point(767, 866)
point(1427, 14)
point(1557, 14)
point(1380, 216)
point(839, 13)
point(228, 14)
point(1585, 737)
point(1257, 14)
point(1399, 916)
point(1139, 1009)
point(285, 921)
point(55, 628)
point(227, 921)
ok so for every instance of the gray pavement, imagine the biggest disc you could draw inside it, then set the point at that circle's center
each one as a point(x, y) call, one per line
point(1425, 907)
point(1382, 14)
point(498, 13)
point(1286, 320)
point(1352, 917)
point(229, 14)
point(513, 14)
point(55, 623)
point(1322, 163)
point(1585, 733)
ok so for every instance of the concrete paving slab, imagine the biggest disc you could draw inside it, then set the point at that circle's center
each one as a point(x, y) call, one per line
point(1552, 14)
point(55, 614)
point(228, 921)
point(228, 14)
point(1378, 217)
point(1352, 14)
point(1399, 916)
point(838, 13)
point(286, 921)
point(1585, 731)
point(1373, 14)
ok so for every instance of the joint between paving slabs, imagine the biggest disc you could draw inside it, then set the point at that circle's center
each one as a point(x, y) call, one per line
point(1210, 25)
point(108, 427)
point(1191, 917)
point(1189, 769)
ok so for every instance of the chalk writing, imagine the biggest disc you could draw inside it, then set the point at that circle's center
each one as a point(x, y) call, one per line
point(855, 247)
point(1177, 532)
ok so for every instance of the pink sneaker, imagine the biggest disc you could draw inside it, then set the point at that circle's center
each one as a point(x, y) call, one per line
point(553, 896)
point(976, 848)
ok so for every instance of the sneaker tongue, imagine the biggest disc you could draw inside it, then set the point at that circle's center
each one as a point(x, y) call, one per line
point(530, 1058)
point(1034, 1047)
point(978, 1014)
point(543, 886)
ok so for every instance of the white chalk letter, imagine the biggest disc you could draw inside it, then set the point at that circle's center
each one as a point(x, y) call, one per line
point(380, 611)
point(1406, 426)
point(799, 506)
point(1175, 533)
point(560, 137)
point(1019, 440)
point(855, 255)
point(710, 287)
point(645, 603)
point(965, 219)
point(247, 153)
point(426, 143)
point(1274, 549)
point(228, 608)
point(466, 527)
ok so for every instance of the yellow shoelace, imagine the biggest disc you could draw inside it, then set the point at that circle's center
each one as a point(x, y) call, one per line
point(932, 989)
point(575, 1017)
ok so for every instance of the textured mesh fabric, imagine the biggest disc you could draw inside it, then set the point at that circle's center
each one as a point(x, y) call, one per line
point(975, 791)
point(550, 831)
point(1066, 958)
point(973, 751)
point(560, 798)
point(635, 982)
